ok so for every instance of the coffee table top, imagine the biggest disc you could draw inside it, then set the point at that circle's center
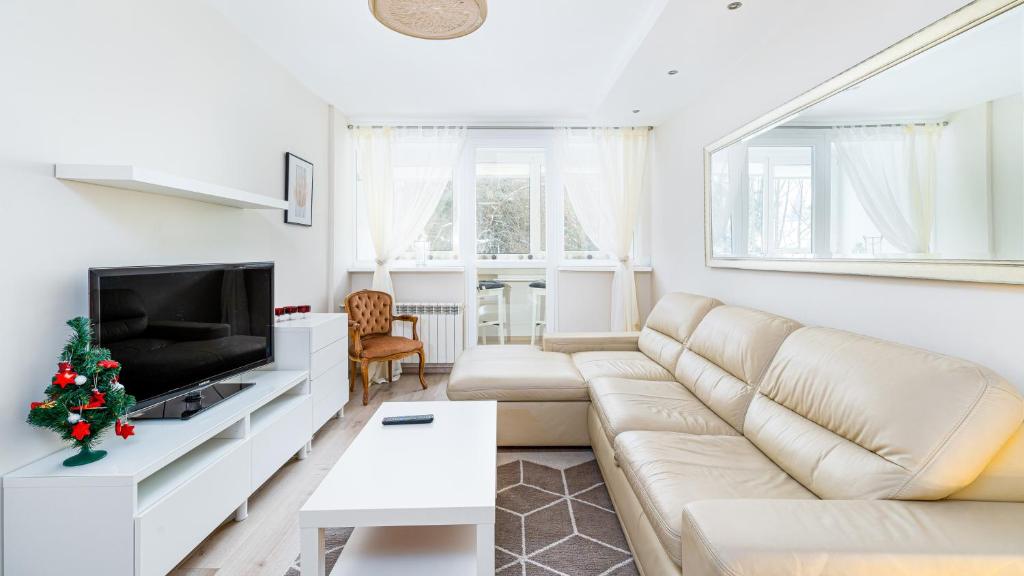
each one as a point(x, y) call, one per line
point(424, 474)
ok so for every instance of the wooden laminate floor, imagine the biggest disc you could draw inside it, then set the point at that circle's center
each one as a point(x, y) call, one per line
point(267, 542)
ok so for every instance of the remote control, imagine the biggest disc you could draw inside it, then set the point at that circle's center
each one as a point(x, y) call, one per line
point(414, 419)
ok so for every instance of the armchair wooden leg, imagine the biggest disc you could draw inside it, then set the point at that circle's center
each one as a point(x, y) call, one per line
point(390, 373)
point(365, 365)
point(351, 375)
point(423, 382)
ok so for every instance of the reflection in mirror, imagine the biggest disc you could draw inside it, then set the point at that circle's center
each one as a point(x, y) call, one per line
point(920, 162)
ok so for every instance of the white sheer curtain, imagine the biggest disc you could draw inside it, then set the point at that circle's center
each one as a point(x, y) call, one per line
point(892, 171)
point(603, 171)
point(404, 172)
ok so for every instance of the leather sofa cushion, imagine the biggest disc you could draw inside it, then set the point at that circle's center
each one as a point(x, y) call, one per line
point(381, 346)
point(677, 315)
point(852, 538)
point(853, 417)
point(515, 374)
point(633, 365)
point(670, 324)
point(668, 470)
point(623, 405)
point(1003, 478)
point(727, 356)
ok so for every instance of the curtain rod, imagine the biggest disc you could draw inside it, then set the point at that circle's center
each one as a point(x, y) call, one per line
point(944, 123)
point(351, 126)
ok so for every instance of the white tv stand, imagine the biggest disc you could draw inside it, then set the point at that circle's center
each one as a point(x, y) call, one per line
point(156, 496)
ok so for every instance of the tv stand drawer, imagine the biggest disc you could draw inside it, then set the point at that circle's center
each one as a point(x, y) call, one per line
point(172, 526)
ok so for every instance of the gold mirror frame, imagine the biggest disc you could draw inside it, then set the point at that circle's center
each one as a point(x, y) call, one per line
point(987, 271)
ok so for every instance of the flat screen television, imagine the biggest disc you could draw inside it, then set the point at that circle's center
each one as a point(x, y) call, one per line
point(177, 330)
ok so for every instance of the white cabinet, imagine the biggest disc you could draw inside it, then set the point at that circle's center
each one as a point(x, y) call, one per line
point(317, 344)
point(156, 496)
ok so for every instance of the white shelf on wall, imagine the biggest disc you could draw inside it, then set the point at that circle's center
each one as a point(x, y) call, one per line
point(145, 180)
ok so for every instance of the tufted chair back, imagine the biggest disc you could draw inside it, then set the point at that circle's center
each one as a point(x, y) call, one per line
point(371, 310)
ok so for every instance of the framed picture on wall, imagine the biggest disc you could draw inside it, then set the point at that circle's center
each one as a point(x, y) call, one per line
point(298, 190)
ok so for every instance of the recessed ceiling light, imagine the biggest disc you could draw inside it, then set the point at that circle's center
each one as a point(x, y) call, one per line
point(637, 111)
point(734, 5)
point(673, 72)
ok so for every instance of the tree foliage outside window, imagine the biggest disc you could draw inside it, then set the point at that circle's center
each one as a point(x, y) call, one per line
point(576, 239)
point(502, 215)
point(510, 203)
point(439, 233)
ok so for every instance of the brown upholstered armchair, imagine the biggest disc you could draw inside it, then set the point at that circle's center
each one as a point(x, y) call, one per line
point(370, 339)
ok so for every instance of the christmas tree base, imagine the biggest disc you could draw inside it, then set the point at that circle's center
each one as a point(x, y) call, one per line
point(85, 456)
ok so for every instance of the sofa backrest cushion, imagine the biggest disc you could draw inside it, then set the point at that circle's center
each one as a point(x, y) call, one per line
point(122, 315)
point(1003, 479)
point(853, 417)
point(727, 355)
point(670, 325)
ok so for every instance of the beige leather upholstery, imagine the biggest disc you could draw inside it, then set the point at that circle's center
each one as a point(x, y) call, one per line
point(852, 417)
point(852, 538)
point(758, 408)
point(515, 374)
point(1003, 478)
point(593, 365)
point(648, 553)
point(670, 325)
point(570, 342)
point(727, 356)
point(624, 405)
point(668, 470)
point(543, 424)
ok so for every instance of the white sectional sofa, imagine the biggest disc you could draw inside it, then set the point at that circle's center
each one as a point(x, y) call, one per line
point(738, 442)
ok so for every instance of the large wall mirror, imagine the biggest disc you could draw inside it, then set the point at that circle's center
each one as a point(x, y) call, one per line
point(910, 164)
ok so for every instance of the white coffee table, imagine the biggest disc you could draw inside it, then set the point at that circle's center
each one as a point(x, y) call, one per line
point(420, 496)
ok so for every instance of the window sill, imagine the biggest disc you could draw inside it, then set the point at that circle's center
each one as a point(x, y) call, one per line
point(599, 268)
point(438, 268)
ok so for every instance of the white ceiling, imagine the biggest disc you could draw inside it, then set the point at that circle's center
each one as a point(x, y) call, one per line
point(532, 59)
point(559, 60)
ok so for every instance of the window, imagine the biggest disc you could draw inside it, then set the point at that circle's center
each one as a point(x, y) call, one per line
point(502, 182)
point(781, 200)
point(439, 237)
point(510, 204)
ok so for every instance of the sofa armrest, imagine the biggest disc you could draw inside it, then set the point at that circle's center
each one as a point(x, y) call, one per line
point(569, 342)
point(187, 331)
point(851, 537)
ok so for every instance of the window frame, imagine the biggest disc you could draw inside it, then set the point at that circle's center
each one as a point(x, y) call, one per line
point(464, 213)
point(821, 178)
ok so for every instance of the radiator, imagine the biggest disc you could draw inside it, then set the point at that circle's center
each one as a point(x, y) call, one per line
point(440, 327)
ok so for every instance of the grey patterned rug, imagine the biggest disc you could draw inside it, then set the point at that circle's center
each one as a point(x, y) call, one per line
point(554, 517)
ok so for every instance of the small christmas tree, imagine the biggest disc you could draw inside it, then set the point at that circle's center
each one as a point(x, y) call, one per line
point(84, 397)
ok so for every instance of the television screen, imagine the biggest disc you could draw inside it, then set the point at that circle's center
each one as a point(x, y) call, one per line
point(179, 328)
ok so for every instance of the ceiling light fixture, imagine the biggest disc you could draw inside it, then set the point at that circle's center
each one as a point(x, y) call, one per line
point(673, 72)
point(734, 5)
point(431, 19)
point(637, 111)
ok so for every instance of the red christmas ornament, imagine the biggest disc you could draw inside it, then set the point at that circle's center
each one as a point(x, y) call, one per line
point(97, 401)
point(108, 364)
point(65, 375)
point(80, 430)
point(123, 430)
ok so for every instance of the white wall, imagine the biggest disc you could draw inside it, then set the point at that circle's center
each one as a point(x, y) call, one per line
point(166, 85)
point(1007, 144)
point(963, 209)
point(978, 322)
point(584, 296)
